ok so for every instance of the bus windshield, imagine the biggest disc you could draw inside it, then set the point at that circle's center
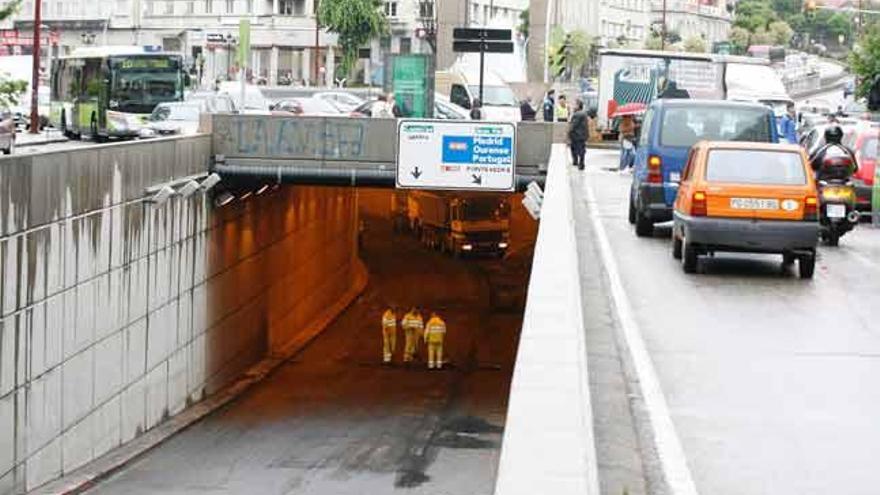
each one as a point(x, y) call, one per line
point(138, 84)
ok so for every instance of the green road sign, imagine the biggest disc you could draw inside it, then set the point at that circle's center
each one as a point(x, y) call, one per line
point(412, 82)
point(244, 43)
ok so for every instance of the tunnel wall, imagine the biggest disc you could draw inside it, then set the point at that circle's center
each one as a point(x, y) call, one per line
point(118, 313)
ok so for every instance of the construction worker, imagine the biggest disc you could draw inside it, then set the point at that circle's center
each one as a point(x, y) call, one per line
point(389, 334)
point(413, 326)
point(435, 332)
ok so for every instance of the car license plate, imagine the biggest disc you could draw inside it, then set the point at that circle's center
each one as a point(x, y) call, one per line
point(754, 204)
point(835, 211)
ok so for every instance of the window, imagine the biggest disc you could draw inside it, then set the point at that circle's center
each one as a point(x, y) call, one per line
point(391, 9)
point(230, 6)
point(292, 7)
point(169, 7)
point(426, 9)
point(756, 167)
point(646, 128)
point(405, 45)
point(459, 96)
point(209, 6)
point(190, 7)
point(684, 126)
point(249, 7)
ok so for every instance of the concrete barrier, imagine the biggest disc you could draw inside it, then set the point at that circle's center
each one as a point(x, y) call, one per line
point(548, 444)
point(118, 313)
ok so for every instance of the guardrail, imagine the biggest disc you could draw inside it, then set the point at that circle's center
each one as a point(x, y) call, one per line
point(337, 150)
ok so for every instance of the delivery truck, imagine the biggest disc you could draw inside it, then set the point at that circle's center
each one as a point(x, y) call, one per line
point(460, 223)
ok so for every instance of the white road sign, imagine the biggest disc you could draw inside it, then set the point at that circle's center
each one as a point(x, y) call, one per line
point(436, 154)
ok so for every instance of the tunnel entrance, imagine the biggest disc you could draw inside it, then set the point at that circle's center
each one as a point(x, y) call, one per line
point(334, 418)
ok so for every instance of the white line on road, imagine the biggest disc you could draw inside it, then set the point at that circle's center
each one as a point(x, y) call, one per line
point(673, 463)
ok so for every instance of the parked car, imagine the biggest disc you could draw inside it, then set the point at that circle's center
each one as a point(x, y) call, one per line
point(863, 141)
point(670, 127)
point(254, 102)
point(344, 102)
point(7, 132)
point(214, 102)
point(746, 197)
point(443, 109)
point(305, 106)
point(181, 117)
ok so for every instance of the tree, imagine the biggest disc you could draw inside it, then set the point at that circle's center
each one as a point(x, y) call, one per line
point(10, 90)
point(524, 23)
point(754, 14)
point(695, 44)
point(781, 32)
point(739, 36)
point(865, 61)
point(653, 42)
point(761, 37)
point(355, 22)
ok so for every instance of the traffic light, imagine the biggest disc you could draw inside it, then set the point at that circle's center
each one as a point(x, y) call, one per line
point(560, 58)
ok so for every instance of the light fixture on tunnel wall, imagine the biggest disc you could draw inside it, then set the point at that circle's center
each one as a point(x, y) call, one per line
point(262, 189)
point(188, 189)
point(223, 199)
point(246, 195)
point(210, 181)
point(161, 196)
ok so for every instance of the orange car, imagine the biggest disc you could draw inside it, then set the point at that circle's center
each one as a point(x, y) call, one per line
point(746, 197)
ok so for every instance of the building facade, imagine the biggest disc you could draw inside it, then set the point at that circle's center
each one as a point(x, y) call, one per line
point(708, 19)
point(285, 43)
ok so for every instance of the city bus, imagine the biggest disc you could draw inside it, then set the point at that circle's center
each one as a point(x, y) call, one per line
point(104, 92)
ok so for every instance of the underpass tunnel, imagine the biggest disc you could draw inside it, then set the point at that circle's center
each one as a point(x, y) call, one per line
point(333, 418)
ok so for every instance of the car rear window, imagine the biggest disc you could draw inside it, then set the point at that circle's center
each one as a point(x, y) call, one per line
point(756, 167)
point(682, 127)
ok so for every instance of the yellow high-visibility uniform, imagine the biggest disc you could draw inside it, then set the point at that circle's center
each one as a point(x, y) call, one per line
point(389, 334)
point(413, 326)
point(435, 333)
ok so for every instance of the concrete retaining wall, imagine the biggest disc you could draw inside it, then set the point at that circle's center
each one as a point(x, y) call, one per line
point(117, 314)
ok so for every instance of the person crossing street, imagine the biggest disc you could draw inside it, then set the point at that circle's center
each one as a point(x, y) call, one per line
point(389, 334)
point(413, 327)
point(435, 333)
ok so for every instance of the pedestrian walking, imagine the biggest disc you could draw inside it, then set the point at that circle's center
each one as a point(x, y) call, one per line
point(435, 333)
point(578, 134)
point(389, 334)
point(562, 109)
point(788, 124)
point(549, 105)
point(526, 111)
point(477, 109)
point(627, 138)
point(413, 326)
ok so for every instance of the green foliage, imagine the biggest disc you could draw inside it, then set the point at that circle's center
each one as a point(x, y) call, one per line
point(653, 42)
point(569, 52)
point(356, 22)
point(694, 44)
point(11, 91)
point(739, 36)
point(761, 37)
point(754, 14)
point(865, 61)
point(781, 32)
point(524, 23)
point(9, 8)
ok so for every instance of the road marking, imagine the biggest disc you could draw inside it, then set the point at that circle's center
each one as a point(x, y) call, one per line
point(673, 463)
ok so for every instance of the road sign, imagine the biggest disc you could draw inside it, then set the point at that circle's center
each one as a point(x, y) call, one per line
point(482, 46)
point(481, 34)
point(461, 155)
point(411, 79)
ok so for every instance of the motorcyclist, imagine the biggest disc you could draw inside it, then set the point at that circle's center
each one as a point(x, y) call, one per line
point(833, 148)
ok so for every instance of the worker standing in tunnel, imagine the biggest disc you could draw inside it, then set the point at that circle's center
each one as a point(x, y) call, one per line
point(435, 333)
point(389, 334)
point(413, 326)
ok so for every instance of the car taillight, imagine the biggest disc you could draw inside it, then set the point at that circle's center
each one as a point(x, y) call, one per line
point(811, 208)
point(837, 161)
point(698, 204)
point(655, 170)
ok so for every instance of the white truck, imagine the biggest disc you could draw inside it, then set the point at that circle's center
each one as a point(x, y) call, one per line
point(460, 223)
point(628, 76)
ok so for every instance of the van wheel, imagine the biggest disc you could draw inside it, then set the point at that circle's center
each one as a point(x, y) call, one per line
point(644, 226)
point(807, 265)
point(688, 257)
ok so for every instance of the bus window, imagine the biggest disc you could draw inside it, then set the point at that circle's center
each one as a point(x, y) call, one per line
point(93, 79)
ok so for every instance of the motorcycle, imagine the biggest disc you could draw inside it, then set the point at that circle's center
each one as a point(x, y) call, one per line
point(837, 195)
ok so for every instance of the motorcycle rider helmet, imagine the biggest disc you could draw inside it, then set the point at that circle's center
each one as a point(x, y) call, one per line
point(833, 134)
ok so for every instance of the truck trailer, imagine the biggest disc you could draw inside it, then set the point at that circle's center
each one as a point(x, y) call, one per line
point(460, 223)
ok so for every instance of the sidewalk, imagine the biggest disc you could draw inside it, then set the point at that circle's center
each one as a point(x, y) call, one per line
point(47, 136)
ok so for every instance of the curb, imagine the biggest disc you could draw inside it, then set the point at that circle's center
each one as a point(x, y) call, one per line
point(43, 142)
point(91, 474)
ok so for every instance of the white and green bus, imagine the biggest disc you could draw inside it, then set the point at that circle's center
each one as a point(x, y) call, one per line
point(104, 92)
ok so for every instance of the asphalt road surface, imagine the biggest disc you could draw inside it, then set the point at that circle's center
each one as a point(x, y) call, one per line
point(770, 380)
point(335, 421)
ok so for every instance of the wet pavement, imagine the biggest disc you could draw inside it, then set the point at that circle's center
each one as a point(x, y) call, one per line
point(769, 379)
point(334, 420)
